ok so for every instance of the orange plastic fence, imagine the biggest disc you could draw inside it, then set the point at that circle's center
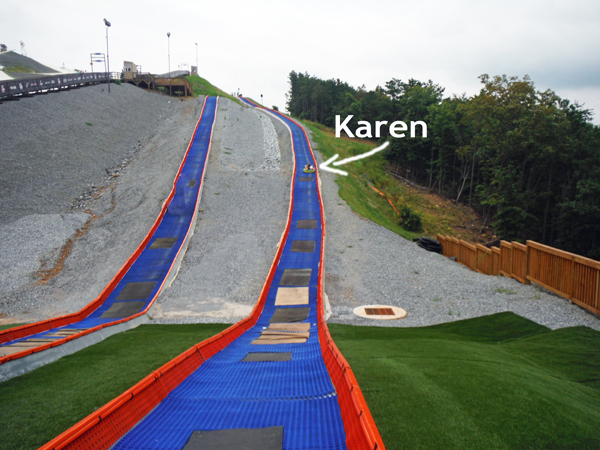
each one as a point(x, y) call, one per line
point(45, 325)
point(571, 276)
point(380, 193)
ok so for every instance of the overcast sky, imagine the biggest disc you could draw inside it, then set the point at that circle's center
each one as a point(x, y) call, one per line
point(253, 45)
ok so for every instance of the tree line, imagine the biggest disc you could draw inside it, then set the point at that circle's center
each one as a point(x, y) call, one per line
point(527, 161)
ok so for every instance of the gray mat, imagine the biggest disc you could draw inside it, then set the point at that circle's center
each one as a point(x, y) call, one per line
point(137, 290)
point(237, 439)
point(290, 315)
point(162, 243)
point(295, 277)
point(122, 309)
point(303, 246)
point(257, 356)
point(310, 224)
point(192, 183)
point(305, 178)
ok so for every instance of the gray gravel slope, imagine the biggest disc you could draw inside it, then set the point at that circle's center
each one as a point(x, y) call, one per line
point(140, 138)
point(368, 264)
point(244, 208)
point(53, 145)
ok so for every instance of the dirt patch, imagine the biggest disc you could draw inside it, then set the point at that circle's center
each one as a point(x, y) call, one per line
point(46, 274)
point(452, 219)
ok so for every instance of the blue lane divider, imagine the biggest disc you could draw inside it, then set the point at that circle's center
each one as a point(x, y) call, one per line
point(225, 393)
point(154, 264)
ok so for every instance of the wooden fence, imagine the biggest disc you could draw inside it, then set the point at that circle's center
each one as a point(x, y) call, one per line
point(571, 276)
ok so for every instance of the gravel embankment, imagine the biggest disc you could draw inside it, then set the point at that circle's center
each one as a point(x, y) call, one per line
point(59, 173)
point(53, 158)
point(366, 264)
point(244, 207)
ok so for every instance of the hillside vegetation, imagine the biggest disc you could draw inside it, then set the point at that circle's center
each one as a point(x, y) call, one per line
point(494, 382)
point(437, 214)
point(200, 86)
point(527, 161)
point(13, 63)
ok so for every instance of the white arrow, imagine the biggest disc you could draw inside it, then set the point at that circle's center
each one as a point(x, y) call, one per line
point(325, 165)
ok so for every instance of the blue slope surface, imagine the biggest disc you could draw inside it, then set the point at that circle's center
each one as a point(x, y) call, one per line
point(226, 393)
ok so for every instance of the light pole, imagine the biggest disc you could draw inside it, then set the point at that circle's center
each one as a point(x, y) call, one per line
point(169, 50)
point(197, 59)
point(107, 25)
point(261, 100)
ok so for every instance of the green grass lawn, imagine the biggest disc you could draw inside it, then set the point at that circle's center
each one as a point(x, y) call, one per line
point(38, 406)
point(370, 172)
point(10, 325)
point(200, 86)
point(497, 382)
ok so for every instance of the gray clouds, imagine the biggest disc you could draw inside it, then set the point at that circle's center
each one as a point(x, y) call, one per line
point(254, 45)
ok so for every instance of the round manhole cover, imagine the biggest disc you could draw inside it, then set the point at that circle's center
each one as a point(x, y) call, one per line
point(380, 312)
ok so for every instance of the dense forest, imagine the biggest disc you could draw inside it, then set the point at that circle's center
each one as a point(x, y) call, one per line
point(527, 161)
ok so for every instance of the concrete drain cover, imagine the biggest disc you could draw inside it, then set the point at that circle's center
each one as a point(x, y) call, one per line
point(379, 312)
point(162, 243)
point(310, 224)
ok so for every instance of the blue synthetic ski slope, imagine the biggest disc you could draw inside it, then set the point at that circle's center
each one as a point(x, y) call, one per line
point(226, 393)
point(153, 265)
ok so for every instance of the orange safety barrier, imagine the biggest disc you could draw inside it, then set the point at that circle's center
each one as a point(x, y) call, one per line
point(361, 430)
point(45, 325)
point(571, 276)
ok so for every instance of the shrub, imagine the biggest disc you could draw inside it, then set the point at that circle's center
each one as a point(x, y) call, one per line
point(409, 220)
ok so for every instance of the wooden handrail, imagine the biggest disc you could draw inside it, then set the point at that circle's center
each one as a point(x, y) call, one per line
point(571, 276)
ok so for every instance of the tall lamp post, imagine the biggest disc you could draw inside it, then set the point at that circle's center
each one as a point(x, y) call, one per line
point(169, 50)
point(197, 73)
point(107, 25)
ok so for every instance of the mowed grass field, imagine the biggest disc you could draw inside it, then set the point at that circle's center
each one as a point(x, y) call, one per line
point(495, 382)
point(38, 406)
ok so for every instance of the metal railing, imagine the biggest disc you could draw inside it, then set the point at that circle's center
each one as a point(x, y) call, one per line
point(22, 87)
